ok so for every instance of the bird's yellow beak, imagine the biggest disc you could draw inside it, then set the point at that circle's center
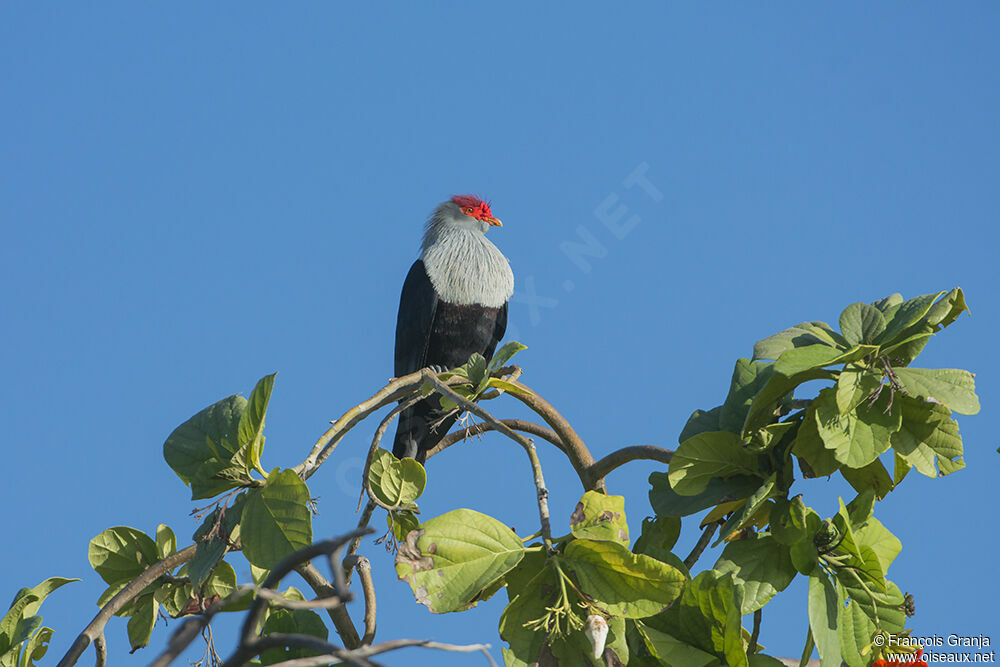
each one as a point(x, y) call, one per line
point(494, 221)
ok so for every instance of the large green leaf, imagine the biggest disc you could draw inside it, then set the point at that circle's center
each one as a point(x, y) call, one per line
point(873, 476)
point(927, 432)
point(823, 616)
point(659, 534)
point(211, 435)
point(395, 482)
point(952, 387)
point(861, 323)
point(813, 357)
point(288, 621)
point(811, 449)
point(251, 425)
point(43, 590)
point(530, 604)
point(140, 626)
point(672, 651)
point(749, 377)
point(214, 537)
point(763, 409)
point(667, 502)
point(599, 516)
point(707, 616)
point(883, 543)
point(276, 520)
point(904, 316)
point(707, 455)
point(755, 504)
point(10, 621)
point(36, 648)
point(121, 554)
point(763, 566)
point(854, 386)
point(452, 558)
point(856, 631)
point(857, 438)
point(701, 421)
point(625, 583)
point(801, 335)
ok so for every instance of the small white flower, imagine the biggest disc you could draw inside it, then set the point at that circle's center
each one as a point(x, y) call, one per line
point(596, 630)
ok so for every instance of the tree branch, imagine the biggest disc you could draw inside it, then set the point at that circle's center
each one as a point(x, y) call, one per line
point(706, 537)
point(96, 627)
point(364, 568)
point(600, 469)
point(483, 427)
point(375, 649)
point(340, 616)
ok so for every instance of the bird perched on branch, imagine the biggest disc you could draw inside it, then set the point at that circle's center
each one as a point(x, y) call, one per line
point(454, 303)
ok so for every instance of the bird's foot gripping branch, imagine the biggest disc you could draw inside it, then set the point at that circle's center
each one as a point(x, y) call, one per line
point(593, 596)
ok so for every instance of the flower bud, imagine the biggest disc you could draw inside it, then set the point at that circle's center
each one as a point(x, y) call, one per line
point(596, 630)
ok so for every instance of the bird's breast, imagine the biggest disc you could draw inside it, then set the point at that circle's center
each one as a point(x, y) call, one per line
point(466, 269)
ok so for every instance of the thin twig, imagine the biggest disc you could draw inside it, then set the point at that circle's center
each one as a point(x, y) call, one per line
point(96, 627)
point(375, 649)
point(279, 600)
point(706, 537)
point(752, 647)
point(364, 568)
point(193, 627)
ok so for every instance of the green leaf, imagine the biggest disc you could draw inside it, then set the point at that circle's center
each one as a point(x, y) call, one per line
point(754, 504)
point(121, 554)
point(668, 503)
point(749, 377)
point(951, 387)
point(395, 482)
point(509, 387)
point(659, 534)
point(855, 386)
point(529, 604)
point(599, 516)
point(947, 309)
point(166, 542)
point(801, 335)
point(707, 616)
point(856, 631)
point(251, 425)
point(288, 621)
point(883, 543)
point(208, 437)
point(889, 302)
point(504, 354)
point(861, 323)
point(9, 623)
point(671, 651)
point(763, 409)
point(707, 455)
point(763, 565)
point(215, 477)
point(873, 476)
point(809, 446)
point(858, 438)
point(36, 648)
point(401, 523)
point(140, 626)
point(701, 421)
point(455, 556)
point(887, 610)
point(823, 615)
point(276, 520)
point(813, 357)
point(43, 590)
point(906, 315)
point(788, 521)
point(625, 584)
point(927, 432)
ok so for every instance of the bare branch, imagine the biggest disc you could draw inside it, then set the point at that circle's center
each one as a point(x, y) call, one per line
point(375, 649)
point(193, 627)
point(340, 616)
point(96, 627)
point(706, 537)
point(364, 568)
point(600, 469)
point(101, 649)
point(279, 600)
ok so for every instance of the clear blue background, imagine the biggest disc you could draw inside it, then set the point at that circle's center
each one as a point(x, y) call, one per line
point(192, 197)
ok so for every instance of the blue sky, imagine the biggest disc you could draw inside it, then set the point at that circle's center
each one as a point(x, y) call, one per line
point(193, 197)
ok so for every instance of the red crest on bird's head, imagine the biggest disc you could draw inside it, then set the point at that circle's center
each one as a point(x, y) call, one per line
point(475, 207)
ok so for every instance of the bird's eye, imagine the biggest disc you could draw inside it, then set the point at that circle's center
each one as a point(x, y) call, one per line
point(468, 209)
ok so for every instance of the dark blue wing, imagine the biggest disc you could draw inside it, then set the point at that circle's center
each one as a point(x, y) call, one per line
point(417, 305)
